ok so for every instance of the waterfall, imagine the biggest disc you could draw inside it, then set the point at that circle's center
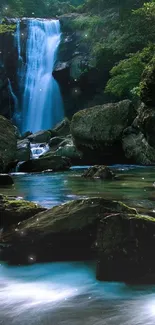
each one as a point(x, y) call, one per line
point(17, 39)
point(42, 103)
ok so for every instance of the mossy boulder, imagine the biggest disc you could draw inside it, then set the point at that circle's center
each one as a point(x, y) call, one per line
point(137, 150)
point(51, 162)
point(97, 131)
point(125, 244)
point(101, 172)
point(8, 143)
point(14, 210)
point(65, 232)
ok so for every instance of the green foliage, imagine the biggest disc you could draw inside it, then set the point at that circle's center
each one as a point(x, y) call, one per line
point(7, 28)
point(126, 75)
point(37, 8)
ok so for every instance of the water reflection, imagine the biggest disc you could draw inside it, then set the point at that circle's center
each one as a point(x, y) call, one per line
point(134, 185)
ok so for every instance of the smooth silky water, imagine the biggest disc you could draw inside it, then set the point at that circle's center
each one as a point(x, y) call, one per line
point(68, 293)
point(42, 102)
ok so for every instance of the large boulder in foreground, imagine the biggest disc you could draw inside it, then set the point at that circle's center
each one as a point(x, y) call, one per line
point(54, 163)
point(125, 245)
point(8, 143)
point(65, 232)
point(14, 210)
point(97, 131)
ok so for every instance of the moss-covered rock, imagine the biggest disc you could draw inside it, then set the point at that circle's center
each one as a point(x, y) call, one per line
point(102, 172)
point(8, 143)
point(14, 210)
point(125, 244)
point(65, 232)
point(137, 149)
point(97, 131)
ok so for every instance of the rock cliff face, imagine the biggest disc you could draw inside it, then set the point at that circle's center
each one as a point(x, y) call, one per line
point(6, 101)
point(8, 144)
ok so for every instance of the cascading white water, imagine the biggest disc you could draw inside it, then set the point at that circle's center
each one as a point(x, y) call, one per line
point(42, 103)
point(17, 39)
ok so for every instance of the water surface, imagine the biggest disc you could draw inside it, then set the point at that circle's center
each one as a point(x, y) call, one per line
point(68, 293)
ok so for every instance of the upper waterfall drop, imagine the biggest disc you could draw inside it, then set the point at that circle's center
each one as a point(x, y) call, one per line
point(42, 102)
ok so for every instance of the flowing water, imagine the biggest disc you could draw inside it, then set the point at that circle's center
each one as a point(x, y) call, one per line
point(42, 102)
point(68, 293)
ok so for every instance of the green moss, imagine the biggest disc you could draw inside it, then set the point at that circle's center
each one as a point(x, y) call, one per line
point(7, 28)
point(20, 205)
point(141, 217)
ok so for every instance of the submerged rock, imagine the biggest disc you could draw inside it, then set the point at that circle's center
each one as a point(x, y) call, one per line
point(14, 210)
point(8, 144)
point(56, 163)
point(97, 131)
point(6, 179)
point(124, 245)
point(102, 172)
point(65, 232)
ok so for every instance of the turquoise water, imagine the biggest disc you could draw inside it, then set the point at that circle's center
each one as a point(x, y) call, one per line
point(68, 293)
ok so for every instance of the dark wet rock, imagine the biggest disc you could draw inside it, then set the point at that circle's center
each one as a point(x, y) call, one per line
point(8, 144)
point(63, 128)
point(124, 244)
point(137, 149)
point(55, 141)
point(102, 172)
point(64, 148)
point(97, 131)
point(146, 123)
point(14, 210)
point(23, 150)
point(65, 232)
point(40, 137)
point(5, 179)
point(56, 163)
point(6, 100)
point(25, 135)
